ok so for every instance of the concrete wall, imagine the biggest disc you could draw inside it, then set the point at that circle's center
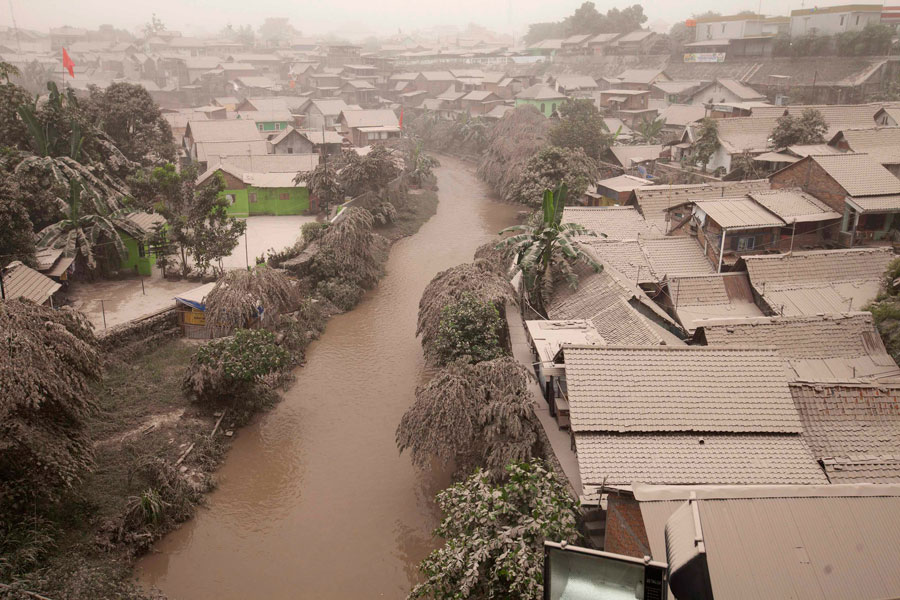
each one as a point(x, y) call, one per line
point(830, 23)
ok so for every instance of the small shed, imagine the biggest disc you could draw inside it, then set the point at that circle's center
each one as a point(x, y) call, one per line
point(191, 306)
point(615, 191)
point(20, 281)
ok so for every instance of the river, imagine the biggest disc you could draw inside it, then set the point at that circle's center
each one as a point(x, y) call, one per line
point(313, 499)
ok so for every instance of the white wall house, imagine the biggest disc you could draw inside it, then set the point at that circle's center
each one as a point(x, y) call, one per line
point(737, 27)
point(831, 20)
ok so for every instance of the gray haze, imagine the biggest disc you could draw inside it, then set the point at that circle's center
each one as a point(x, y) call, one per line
point(353, 18)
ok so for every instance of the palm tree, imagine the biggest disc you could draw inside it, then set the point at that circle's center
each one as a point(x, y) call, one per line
point(81, 232)
point(650, 131)
point(548, 244)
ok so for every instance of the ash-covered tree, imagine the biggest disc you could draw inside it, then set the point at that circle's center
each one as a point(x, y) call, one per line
point(707, 141)
point(808, 128)
point(323, 184)
point(494, 535)
point(515, 139)
point(480, 280)
point(161, 247)
point(16, 229)
point(369, 173)
point(581, 126)
point(550, 168)
point(132, 119)
point(48, 361)
point(470, 330)
point(243, 296)
point(886, 310)
point(216, 235)
point(472, 415)
point(650, 131)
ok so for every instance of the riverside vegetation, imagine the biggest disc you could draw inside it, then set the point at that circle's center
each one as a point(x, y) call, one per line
point(121, 450)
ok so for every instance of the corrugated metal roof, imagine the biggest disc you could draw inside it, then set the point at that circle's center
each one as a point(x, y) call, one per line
point(20, 281)
point(654, 202)
point(678, 389)
point(794, 205)
point(370, 118)
point(700, 297)
point(629, 155)
point(650, 260)
point(674, 458)
point(739, 213)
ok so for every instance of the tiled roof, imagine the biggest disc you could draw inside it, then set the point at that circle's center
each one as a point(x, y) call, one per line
point(859, 425)
point(881, 143)
point(818, 281)
point(576, 82)
point(700, 297)
point(804, 150)
point(628, 155)
point(623, 459)
point(746, 133)
point(837, 116)
point(477, 96)
point(604, 301)
point(330, 107)
point(540, 91)
point(682, 115)
point(743, 92)
point(650, 260)
point(639, 75)
point(211, 152)
point(739, 213)
point(370, 118)
point(794, 205)
point(818, 348)
point(20, 281)
point(877, 204)
point(616, 222)
point(683, 389)
point(859, 174)
point(655, 201)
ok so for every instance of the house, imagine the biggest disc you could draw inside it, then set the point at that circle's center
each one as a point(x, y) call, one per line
point(680, 415)
point(359, 91)
point(363, 127)
point(255, 86)
point(881, 143)
point(322, 112)
point(306, 141)
point(837, 348)
point(139, 256)
point(740, 135)
point(731, 27)
point(729, 228)
point(634, 43)
point(764, 541)
point(639, 79)
point(695, 299)
point(600, 43)
point(724, 91)
point(575, 44)
point(853, 429)
point(21, 281)
point(679, 116)
point(52, 263)
point(500, 84)
point(832, 20)
point(262, 191)
point(268, 122)
point(816, 281)
point(888, 115)
point(630, 157)
point(480, 103)
point(656, 202)
point(434, 82)
point(191, 307)
point(548, 47)
point(854, 185)
point(675, 92)
point(542, 97)
point(631, 106)
point(580, 86)
point(614, 191)
point(206, 139)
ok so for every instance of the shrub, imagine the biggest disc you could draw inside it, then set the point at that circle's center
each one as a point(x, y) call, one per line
point(550, 168)
point(470, 330)
point(495, 535)
point(342, 294)
point(310, 232)
point(228, 368)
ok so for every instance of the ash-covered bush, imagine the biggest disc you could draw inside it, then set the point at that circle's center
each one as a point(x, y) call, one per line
point(470, 330)
point(229, 369)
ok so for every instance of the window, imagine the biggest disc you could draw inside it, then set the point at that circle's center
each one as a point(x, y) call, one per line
point(553, 108)
point(857, 19)
point(229, 198)
point(543, 107)
point(252, 196)
point(284, 196)
point(746, 243)
point(290, 150)
point(723, 27)
point(259, 126)
point(141, 252)
point(842, 20)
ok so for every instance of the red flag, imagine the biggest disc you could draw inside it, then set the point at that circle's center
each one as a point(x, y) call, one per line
point(401, 117)
point(68, 63)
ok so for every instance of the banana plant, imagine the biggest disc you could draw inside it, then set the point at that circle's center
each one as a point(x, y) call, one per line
point(545, 244)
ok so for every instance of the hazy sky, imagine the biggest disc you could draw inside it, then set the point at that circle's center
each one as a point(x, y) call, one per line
point(377, 16)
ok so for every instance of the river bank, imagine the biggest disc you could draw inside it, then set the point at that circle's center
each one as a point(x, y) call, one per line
point(147, 435)
point(313, 495)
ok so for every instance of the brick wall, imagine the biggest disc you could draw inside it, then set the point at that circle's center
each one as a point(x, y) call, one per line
point(625, 533)
point(812, 179)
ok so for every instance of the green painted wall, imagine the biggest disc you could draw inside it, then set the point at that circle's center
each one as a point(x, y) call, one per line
point(269, 201)
point(270, 125)
point(547, 105)
point(143, 264)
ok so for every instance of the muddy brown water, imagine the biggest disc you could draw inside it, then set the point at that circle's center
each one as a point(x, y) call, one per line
point(313, 499)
